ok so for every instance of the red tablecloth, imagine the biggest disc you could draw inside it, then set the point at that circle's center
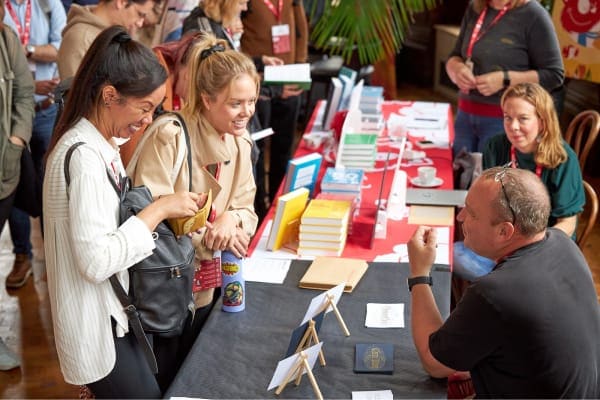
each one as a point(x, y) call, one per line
point(358, 244)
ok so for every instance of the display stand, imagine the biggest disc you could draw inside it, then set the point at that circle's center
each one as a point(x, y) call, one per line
point(311, 338)
point(331, 302)
point(301, 366)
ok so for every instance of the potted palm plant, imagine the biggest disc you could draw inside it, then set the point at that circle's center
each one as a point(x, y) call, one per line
point(367, 29)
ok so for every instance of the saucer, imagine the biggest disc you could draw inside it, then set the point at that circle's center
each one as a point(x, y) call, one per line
point(434, 183)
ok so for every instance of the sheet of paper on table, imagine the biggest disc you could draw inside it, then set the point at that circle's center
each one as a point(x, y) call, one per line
point(385, 315)
point(442, 256)
point(268, 270)
point(373, 395)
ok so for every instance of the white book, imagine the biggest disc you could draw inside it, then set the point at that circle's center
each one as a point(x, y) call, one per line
point(333, 102)
point(292, 74)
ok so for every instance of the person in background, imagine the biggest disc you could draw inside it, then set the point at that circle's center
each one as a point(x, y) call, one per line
point(222, 18)
point(115, 91)
point(84, 23)
point(222, 92)
point(532, 141)
point(530, 327)
point(289, 43)
point(16, 116)
point(174, 57)
point(501, 43)
point(39, 31)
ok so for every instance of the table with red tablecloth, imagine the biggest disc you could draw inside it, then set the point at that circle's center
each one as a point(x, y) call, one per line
point(359, 244)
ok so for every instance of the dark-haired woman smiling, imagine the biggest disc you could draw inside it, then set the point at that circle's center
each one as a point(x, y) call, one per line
point(117, 87)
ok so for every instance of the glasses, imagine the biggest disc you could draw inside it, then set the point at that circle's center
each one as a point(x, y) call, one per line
point(498, 178)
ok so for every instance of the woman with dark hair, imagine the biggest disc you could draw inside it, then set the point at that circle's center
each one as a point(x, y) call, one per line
point(114, 93)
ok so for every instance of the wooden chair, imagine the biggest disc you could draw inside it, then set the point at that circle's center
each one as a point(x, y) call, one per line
point(582, 133)
point(587, 219)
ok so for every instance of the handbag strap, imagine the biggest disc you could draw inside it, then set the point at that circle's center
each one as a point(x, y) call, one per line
point(132, 314)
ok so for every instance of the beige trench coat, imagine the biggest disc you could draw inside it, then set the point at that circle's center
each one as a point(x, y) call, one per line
point(233, 191)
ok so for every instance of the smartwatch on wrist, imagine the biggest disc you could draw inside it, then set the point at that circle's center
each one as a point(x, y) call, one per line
point(30, 49)
point(419, 280)
point(506, 80)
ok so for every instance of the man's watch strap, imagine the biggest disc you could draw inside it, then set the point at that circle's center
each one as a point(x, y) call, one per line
point(506, 80)
point(419, 280)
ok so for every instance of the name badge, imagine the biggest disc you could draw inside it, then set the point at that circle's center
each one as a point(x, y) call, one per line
point(280, 35)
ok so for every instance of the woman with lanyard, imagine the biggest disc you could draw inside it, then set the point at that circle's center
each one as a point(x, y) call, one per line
point(222, 92)
point(532, 141)
point(501, 42)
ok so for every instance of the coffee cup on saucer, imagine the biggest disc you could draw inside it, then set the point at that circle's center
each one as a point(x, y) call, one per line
point(426, 175)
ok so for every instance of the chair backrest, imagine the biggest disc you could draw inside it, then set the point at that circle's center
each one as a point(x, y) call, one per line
point(587, 219)
point(582, 133)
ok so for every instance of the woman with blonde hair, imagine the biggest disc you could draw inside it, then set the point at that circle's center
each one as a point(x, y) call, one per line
point(532, 141)
point(223, 89)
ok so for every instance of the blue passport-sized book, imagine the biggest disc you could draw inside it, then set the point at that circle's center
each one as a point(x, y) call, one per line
point(374, 358)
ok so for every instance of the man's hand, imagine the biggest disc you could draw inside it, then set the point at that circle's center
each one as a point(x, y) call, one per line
point(269, 60)
point(17, 140)
point(46, 87)
point(421, 251)
point(291, 90)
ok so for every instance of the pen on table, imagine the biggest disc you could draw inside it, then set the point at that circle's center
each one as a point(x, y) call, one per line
point(427, 119)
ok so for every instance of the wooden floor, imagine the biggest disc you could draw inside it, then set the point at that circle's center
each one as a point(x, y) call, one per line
point(26, 323)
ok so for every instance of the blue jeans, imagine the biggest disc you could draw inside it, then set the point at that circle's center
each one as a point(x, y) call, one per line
point(471, 131)
point(20, 226)
point(468, 265)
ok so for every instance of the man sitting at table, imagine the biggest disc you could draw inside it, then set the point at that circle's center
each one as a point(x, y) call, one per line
point(531, 327)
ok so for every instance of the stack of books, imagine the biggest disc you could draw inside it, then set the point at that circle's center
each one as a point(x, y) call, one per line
point(358, 149)
point(324, 228)
point(371, 100)
point(342, 181)
point(343, 184)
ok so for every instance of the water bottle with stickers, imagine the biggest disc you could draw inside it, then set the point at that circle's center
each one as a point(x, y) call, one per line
point(233, 287)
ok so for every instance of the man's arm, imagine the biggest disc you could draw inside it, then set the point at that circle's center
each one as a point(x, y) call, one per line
point(425, 315)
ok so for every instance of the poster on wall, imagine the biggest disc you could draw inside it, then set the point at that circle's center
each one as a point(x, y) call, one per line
point(577, 24)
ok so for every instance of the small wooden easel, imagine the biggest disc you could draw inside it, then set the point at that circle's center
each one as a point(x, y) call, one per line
point(298, 369)
point(309, 339)
point(331, 303)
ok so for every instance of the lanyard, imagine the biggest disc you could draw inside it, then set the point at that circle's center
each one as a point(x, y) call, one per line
point(276, 11)
point(513, 159)
point(22, 31)
point(477, 34)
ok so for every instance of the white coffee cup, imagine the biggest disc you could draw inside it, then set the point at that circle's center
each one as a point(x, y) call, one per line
point(426, 175)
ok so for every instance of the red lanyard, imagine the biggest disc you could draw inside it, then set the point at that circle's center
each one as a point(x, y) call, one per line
point(477, 34)
point(22, 31)
point(513, 159)
point(276, 11)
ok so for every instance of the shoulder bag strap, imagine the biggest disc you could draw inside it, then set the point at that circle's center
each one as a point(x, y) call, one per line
point(179, 163)
point(132, 314)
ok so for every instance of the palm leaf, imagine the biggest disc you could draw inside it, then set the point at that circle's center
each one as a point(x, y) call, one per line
point(369, 28)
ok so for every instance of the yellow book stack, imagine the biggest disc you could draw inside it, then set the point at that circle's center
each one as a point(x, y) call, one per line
point(324, 228)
